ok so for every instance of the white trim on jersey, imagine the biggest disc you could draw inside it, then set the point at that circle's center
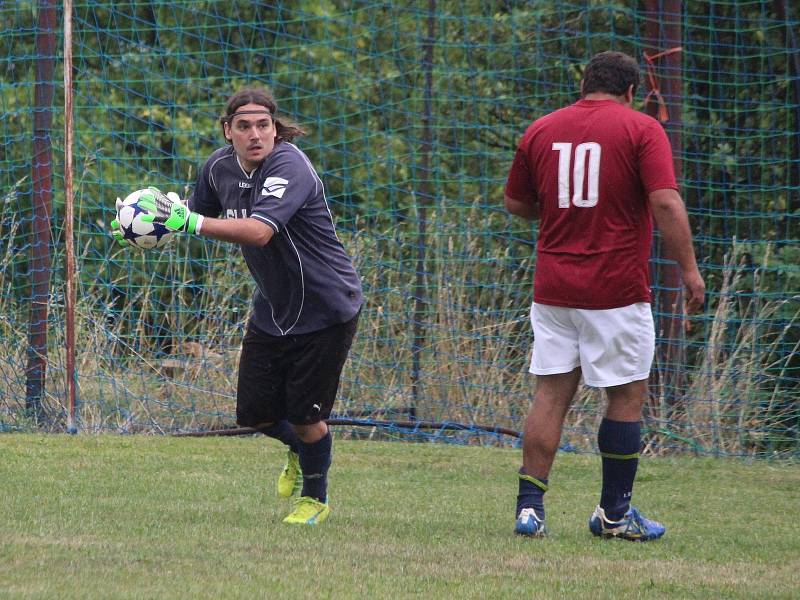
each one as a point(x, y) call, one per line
point(268, 221)
point(246, 174)
point(302, 288)
point(317, 180)
point(211, 172)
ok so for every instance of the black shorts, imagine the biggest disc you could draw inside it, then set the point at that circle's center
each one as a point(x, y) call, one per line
point(292, 377)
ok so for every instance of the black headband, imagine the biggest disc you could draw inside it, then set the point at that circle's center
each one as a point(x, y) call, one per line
point(229, 118)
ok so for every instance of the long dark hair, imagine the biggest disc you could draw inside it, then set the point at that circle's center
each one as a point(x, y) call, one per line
point(286, 129)
point(612, 73)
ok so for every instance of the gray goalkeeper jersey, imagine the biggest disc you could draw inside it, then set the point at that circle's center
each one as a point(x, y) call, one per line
point(305, 279)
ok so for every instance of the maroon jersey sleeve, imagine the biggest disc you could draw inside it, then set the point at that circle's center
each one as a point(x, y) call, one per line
point(519, 185)
point(656, 168)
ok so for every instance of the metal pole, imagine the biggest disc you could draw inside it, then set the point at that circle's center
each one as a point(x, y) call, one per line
point(42, 175)
point(664, 32)
point(793, 58)
point(425, 197)
point(68, 219)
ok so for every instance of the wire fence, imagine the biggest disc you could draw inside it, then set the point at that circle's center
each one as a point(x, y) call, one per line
point(413, 111)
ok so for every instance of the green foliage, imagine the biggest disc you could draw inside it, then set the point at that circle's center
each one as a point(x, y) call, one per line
point(413, 120)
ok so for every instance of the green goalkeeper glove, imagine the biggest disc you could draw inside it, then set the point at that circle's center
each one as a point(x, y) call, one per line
point(168, 210)
point(116, 230)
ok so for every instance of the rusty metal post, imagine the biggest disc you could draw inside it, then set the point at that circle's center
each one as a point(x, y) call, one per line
point(664, 33)
point(42, 174)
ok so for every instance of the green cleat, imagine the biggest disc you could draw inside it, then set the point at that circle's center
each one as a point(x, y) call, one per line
point(290, 481)
point(308, 511)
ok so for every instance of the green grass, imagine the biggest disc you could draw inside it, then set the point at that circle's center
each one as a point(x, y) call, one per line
point(159, 517)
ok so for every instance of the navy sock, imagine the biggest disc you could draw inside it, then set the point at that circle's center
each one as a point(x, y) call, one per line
point(315, 460)
point(531, 493)
point(282, 432)
point(619, 444)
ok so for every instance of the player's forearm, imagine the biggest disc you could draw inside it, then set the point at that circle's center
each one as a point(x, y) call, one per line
point(250, 232)
point(672, 221)
point(526, 210)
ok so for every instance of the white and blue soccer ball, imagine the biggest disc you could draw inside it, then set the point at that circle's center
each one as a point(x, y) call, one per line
point(136, 232)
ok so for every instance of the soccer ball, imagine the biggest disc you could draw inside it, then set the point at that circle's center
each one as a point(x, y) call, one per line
point(135, 231)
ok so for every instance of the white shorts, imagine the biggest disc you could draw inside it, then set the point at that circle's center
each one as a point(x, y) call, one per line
point(612, 347)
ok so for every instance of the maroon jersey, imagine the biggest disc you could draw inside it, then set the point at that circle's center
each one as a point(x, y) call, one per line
point(590, 166)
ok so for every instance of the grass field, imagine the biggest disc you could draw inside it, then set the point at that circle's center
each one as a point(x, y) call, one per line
point(159, 517)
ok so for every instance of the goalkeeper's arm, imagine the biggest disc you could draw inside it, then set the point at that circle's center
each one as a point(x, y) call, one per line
point(168, 209)
point(248, 231)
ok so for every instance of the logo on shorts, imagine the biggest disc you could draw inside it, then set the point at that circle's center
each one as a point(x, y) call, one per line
point(274, 186)
point(316, 406)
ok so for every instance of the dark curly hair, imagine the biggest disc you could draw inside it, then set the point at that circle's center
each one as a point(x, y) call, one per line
point(612, 73)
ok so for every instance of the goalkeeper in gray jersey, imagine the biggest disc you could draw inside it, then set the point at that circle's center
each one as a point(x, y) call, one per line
point(262, 192)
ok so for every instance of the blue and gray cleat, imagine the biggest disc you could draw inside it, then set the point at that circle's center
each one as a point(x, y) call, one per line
point(633, 526)
point(529, 524)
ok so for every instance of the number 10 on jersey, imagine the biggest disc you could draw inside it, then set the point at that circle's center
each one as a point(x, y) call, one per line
point(590, 150)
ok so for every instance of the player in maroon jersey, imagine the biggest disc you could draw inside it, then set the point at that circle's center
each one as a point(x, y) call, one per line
point(595, 174)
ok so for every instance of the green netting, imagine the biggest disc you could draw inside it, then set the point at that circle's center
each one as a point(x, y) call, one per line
point(413, 112)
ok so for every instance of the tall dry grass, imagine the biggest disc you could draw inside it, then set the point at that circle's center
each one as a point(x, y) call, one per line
point(740, 398)
point(161, 354)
